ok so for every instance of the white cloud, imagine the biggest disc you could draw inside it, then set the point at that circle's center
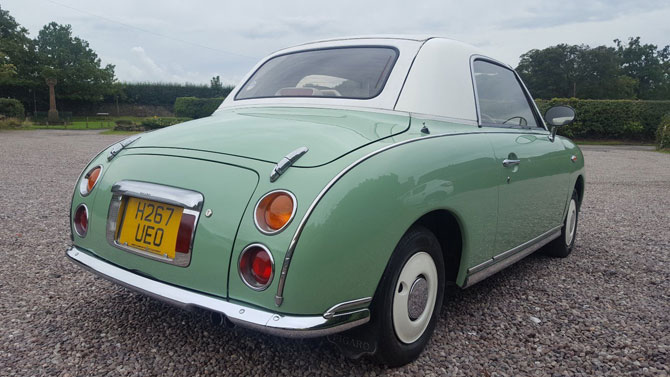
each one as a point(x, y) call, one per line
point(162, 41)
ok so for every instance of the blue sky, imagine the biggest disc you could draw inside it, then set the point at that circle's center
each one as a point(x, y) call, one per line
point(179, 41)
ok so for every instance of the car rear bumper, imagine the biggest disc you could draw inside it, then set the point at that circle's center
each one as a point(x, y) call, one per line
point(339, 318)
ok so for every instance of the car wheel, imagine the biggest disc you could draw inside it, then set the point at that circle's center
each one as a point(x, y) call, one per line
point(409, 298)
point(562, 246)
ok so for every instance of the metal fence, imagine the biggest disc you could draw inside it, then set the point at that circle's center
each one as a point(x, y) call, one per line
point(41, 117)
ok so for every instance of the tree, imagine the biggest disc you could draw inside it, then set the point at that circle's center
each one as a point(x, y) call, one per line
point(628, 71)
point(648, 65)
point(76, 66)
point(18, 51)
point(7, 70)
point(551, 72)
point(599, 75)
point(217, 86)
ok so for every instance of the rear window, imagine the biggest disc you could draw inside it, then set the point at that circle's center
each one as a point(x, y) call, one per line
point(352, 72)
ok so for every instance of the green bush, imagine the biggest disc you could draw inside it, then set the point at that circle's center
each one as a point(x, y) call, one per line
point(663, 133)
point(9, 122)
point(154, 123)
point(611, 119)
point(124, 122)
point(193, 107)
point(12, 108)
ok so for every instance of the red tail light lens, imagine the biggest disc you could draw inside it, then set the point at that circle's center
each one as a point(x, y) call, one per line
point(256, 267)
point(81, 220)
point(185, 233)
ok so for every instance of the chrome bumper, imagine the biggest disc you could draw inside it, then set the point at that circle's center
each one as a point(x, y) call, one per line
point(339, 318)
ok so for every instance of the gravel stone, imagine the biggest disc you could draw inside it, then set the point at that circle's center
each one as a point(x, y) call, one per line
point(604, 310)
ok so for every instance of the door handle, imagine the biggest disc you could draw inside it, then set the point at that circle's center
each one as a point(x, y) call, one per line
point(507, 162)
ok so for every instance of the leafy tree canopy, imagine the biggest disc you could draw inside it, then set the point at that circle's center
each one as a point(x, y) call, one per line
point(627, 71)
point(55, 52)
point(71, 60)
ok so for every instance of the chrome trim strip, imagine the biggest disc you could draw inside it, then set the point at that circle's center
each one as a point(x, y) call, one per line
point(295, 208)
point(191, 201)
point(279, 297)
point(272, 260)
point(268, 322)
point(343, 307)
point(286, 162)
point(509, 257)
point(240, 106)
point(166, 194)
point(441, 118)
point(118, 147)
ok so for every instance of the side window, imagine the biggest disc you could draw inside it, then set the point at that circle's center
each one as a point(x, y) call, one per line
point(500, 96)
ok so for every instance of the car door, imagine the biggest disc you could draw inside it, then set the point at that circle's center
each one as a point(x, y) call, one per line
point(531, 192)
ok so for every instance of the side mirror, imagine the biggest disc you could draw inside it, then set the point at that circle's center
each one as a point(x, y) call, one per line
point(558, 116)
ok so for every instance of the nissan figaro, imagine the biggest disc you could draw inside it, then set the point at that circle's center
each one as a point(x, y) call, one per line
point(335, 192)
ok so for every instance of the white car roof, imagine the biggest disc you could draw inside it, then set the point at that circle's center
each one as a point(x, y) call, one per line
point(431, 76)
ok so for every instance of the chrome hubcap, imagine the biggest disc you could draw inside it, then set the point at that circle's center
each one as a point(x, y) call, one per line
point(418, 297)
point(571, 222)
point(414, 297)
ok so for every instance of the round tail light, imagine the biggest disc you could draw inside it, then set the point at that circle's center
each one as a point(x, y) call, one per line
point(256, 267)
point(274, 211)
point(90, 179)
point(81, 220)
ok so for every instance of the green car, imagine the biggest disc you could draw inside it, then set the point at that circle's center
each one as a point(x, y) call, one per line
point(335, 192)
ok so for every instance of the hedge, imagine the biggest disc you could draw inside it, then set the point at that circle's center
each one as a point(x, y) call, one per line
point(196, 107)
point(163, 94)
point(156, 122)
point(12, 108)
point(611, 119)
point(663, 133)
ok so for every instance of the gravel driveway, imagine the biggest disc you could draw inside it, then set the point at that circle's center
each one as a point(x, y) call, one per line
point(604, 310)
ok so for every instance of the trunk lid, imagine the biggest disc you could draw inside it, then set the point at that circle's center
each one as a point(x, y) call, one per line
point(226, 190)
point(270, 133)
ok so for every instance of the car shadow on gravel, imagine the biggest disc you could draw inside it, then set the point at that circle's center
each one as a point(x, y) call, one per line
point(129, 322)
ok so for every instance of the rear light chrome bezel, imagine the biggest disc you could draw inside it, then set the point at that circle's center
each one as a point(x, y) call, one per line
point(266, 229)
point(83, 185)
point(245, 280)
point(75, 226)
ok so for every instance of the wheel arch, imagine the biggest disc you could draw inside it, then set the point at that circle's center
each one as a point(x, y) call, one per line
point(349, 238)
point(579, 186)
point(446, 227)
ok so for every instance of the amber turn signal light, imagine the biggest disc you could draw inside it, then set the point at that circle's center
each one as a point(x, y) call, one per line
point(89, 181)
point(274, 211)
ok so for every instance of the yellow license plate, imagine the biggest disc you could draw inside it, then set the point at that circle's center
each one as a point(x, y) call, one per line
point(150, 226)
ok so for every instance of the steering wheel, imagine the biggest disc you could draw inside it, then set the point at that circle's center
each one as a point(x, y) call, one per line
point(522, 120)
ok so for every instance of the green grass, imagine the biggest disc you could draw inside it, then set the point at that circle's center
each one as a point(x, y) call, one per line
point(612, 142)
point(85, 123)
point(112, 132)
point(72, 126)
